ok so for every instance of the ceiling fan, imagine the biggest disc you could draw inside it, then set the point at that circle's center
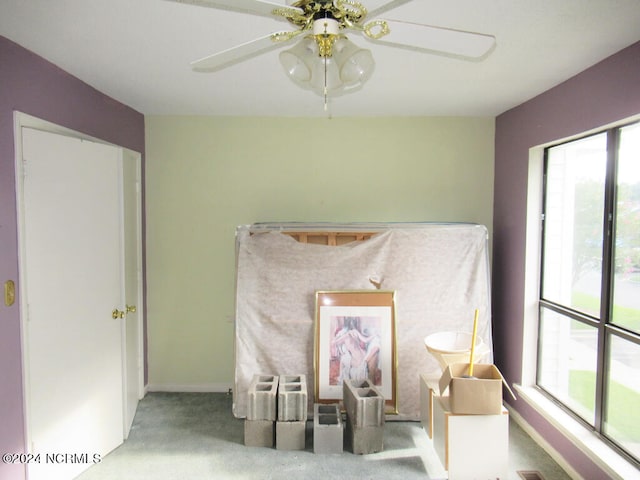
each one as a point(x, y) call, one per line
point(325, 60)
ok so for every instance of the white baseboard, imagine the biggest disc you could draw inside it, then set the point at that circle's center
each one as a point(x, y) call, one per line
point(198, 388)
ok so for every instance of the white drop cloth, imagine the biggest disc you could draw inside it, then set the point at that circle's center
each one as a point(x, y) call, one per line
point(440, 273)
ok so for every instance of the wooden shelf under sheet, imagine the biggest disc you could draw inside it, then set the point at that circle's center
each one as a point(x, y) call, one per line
point(330, 238)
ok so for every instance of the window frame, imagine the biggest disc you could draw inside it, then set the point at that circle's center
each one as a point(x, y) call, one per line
point(606, 330)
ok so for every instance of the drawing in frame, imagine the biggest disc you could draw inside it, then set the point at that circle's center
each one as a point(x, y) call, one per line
point(355, 338)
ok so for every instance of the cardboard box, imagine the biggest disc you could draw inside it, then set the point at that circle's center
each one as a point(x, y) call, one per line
point(481, 395)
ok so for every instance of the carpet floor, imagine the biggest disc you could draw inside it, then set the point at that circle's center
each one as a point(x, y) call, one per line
point(194, 436)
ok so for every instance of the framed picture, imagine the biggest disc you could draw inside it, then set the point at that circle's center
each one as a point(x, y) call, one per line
point(355, 338)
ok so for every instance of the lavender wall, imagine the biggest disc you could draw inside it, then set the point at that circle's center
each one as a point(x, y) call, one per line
point(607, 92)
point(32, 85)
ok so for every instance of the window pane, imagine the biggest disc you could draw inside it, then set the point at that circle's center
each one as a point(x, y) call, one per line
point(626, 292)
point(567, 362)
point(573, 223)
point(622, 415)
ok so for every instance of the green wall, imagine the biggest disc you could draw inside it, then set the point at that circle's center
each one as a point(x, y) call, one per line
point(206, 175)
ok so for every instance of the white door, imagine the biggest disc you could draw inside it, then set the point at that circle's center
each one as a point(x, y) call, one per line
point(73, 272)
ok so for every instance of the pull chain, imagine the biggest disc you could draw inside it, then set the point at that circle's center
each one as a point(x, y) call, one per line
point(326, 88)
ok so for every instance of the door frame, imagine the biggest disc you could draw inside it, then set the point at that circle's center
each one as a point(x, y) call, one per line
point(130, 155)
point(22, 120)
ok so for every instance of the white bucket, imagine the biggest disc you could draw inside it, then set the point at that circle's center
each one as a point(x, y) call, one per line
point(454, 347)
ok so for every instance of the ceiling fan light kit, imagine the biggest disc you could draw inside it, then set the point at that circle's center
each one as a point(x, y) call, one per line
point(325, 60)
point(327, 64)
point(347, 69)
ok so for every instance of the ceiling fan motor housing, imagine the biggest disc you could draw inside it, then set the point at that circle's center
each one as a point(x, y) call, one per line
point(346, 12)
point(325, 31)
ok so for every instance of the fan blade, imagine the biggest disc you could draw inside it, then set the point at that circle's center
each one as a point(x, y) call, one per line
point(438, 40)
point(378, 7)
point(257, 7)
point(242, 52)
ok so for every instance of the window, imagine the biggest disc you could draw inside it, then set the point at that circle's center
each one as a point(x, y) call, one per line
point(589, 308)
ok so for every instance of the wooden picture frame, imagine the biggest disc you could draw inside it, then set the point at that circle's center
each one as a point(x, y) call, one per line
point(355, 338)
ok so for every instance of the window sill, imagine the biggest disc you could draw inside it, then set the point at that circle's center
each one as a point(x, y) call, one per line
point(615, 465)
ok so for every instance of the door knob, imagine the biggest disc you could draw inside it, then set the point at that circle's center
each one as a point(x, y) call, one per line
point(131, 308)
point(117, 314)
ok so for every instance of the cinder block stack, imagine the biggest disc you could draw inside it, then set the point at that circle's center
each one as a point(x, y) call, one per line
point(328, 429)
point(261, 411)
point(292, 412)
point(365, 416)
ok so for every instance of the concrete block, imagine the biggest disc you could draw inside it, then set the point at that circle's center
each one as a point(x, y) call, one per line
point(328, 429)
point(262, 398)
point(292, 398)
point(364, 403)
point(365, 416)
point(291, 435)
point(259, 433)
point(365, 440)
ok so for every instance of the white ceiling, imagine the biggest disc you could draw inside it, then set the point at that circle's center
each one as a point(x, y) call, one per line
point(139, 51)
